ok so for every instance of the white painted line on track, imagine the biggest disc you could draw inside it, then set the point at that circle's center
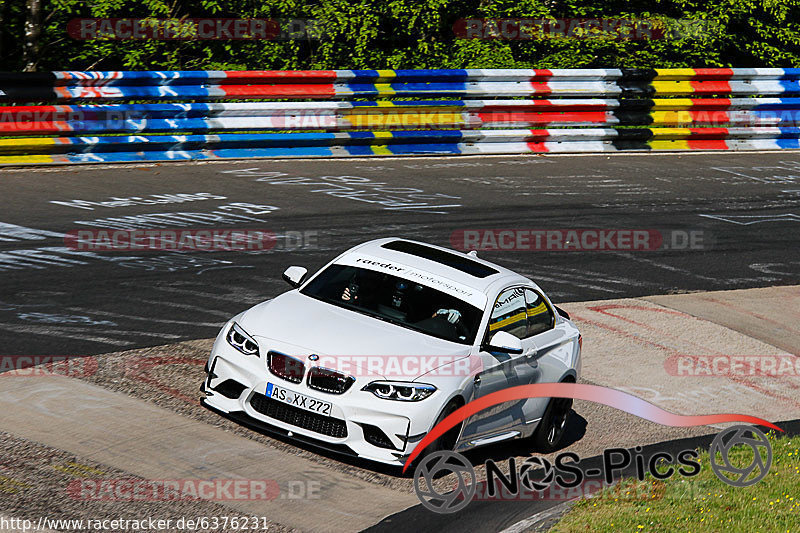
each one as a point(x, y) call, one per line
point(538, 518)
point(369, 159)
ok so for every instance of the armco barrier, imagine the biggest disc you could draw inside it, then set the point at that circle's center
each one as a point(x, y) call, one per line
point(138, 118)
point(375, 112)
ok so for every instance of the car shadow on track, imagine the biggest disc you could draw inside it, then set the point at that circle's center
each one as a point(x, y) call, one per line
point(328, 451)
point(575, 431)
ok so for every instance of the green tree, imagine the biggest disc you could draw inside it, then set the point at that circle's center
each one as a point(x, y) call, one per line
point(382, 34)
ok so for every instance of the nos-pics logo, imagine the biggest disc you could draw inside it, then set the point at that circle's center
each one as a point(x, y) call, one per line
point(437, 494)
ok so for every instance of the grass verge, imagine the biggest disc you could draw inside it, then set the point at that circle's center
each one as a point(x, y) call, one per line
point(701, 503)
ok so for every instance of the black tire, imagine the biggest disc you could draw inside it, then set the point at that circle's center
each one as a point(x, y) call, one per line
point(547, 437)
point(446, 441)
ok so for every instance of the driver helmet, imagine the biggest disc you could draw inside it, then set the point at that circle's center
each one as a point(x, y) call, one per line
point(399, 294)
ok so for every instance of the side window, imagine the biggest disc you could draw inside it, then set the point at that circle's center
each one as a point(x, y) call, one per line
point(509, 313)
point(540, 316)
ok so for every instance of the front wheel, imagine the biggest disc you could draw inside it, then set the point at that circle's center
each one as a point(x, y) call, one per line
point(551, 429)
point(446, 441)
point(449, 439)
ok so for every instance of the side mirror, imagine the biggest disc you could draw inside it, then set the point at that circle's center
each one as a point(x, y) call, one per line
point(505, 342)
point(562, 312)
point(294, 275)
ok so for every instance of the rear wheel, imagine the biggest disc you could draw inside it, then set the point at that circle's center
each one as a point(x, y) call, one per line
point(548, 435)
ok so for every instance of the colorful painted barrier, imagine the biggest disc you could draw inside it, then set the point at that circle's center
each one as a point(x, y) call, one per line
point(385, 115)
point(343, 84)
point(389, 143)
point(347, 113)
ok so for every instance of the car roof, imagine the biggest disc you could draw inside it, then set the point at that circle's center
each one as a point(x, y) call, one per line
point(471, 271)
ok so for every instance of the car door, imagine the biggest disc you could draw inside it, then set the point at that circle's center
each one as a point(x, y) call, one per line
point(502, 370)
point(554, 344)
point(542, 338)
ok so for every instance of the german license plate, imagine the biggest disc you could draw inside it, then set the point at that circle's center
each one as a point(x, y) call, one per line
point(298, 400)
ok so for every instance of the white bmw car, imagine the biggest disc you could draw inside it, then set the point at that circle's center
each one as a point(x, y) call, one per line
point(366, 355)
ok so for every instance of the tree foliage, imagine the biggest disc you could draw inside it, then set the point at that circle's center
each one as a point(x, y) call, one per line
point(385, 34)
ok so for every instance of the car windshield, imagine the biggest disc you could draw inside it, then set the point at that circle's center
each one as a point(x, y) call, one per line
point(397, 300)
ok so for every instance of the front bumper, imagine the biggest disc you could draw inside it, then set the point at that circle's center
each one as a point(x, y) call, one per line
point(360, 424)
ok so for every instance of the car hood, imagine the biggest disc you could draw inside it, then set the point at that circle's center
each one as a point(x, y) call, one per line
point(299, 325)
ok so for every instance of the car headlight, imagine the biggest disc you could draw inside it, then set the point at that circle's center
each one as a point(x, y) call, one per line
point(241, 340)
point(400, 390)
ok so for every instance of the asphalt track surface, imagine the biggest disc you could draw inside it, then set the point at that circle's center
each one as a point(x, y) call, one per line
point(55, 300)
